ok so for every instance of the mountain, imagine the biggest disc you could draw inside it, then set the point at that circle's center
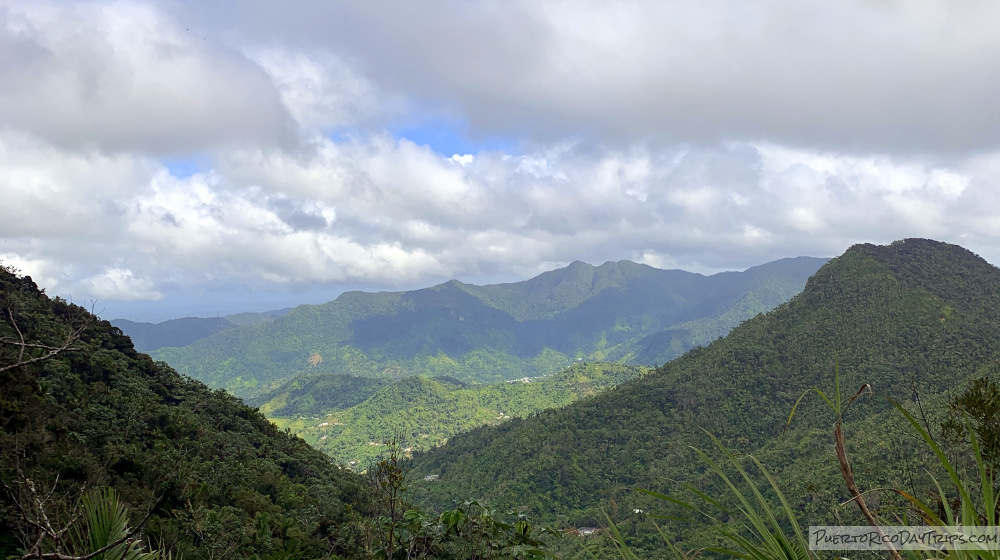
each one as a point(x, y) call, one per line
point(348, 417)
point(81, 409)
point(619, 311)
point(175, 332)
point(916, 318)
point(181, 332)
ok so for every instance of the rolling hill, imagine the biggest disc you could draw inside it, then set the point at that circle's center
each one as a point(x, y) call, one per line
point(619, 311)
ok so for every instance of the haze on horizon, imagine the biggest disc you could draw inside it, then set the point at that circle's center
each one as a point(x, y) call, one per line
point(171, 157)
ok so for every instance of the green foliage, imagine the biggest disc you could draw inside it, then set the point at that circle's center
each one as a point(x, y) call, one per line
point(487, 334)
point(223, 479)
point(977, 409)
point(472, 531)
point(316, 395)
point(104, 526)
point(759, 535)
point(426, 411)
point(913, 318)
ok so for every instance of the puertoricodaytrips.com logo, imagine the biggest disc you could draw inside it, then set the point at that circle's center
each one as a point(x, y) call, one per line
point(903, 538)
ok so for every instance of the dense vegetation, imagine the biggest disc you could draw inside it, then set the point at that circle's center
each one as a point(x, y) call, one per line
point(349, 417)
point(918, 320)
point(915, 319)
point(103, 449)
point(85, 410)
point(622, 311)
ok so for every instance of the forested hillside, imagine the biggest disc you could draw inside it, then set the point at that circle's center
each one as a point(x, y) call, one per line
point(620, 311)
point(81, 409)
point(349, 417)
point(915, 318)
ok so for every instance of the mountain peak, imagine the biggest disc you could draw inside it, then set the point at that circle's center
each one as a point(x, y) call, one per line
point(914, 248)
point(948, 271)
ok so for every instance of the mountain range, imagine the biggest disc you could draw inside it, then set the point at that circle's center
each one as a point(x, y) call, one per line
point(186, 330)
point(917, 320)
point(914, 322)
point(619, 311)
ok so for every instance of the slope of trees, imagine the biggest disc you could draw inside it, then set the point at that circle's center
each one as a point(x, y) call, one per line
point(913, 318)
point(80, 409)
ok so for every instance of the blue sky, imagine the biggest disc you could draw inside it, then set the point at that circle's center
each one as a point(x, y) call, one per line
point(182, 168)
point(168, 159)
point(448, 137)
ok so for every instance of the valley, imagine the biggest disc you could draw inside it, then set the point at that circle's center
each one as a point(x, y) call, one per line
point(424, 411)
point(915, 321)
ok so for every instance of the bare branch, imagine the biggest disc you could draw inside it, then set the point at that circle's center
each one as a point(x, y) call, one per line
point(10, 313)
point(71, 338)
point(35, 551)
point(13, 342)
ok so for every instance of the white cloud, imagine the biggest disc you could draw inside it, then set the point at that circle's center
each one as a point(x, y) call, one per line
point(123, 76)
point(706, 135)
point(49, 193)
point(894, 76)
point(388, 213)
point(464, 160)
point(120, 284)
point(321, 90)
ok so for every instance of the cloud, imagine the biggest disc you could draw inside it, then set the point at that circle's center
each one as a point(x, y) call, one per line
point(322, 91)
point(894, 76)
point(51, 194)
point(383, 212)
point(121, 285)
point(125, 77)
point(705, 135)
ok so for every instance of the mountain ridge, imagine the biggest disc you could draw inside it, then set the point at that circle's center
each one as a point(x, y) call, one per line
point(915, 317)
point(473, 332)
point(187, 330)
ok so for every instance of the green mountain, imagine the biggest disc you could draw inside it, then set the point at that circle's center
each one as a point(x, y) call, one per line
point(619, 311)
point(915, 318)
point(80, 408)
point(181, 332)
point(349, 417)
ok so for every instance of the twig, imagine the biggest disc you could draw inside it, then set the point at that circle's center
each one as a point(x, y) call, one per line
point(10, 313)
point(71, 338)
point(848, 474)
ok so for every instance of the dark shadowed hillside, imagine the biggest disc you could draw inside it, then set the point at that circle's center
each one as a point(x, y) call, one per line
point(175, 332)
point(181, 332)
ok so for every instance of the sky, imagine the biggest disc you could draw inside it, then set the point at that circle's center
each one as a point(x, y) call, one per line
point(171, 158)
